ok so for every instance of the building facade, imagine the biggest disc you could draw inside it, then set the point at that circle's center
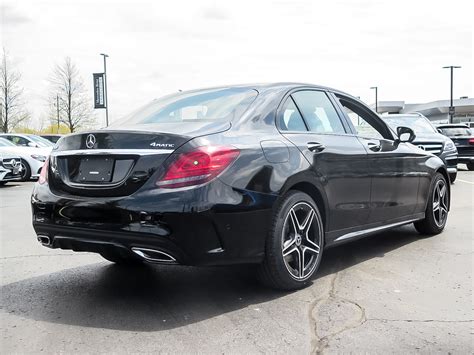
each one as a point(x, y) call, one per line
point(435, 111)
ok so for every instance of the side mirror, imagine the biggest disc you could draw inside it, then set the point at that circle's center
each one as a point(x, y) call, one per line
point(31, 144)
point(405, 134)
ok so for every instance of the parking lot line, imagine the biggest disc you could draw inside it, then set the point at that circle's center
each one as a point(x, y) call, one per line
point(467, 182)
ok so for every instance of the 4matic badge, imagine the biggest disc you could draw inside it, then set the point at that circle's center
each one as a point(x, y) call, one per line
point(162, 145)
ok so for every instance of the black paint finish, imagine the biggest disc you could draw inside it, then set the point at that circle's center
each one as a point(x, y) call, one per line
point(226, 220)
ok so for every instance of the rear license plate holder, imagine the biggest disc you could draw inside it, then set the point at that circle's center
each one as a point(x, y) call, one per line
point(95, 169)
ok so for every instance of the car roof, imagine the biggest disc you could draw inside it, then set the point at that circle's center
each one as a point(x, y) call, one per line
point(24, 135)
point(452, 125)
point(283, 86)
point(15, 134)
point(395, 115)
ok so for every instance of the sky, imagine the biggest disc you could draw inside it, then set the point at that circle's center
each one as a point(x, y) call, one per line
point(159, 47)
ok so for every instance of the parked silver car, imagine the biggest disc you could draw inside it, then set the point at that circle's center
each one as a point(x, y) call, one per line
point(10, 168)
point(427, 138)
point(31, 159)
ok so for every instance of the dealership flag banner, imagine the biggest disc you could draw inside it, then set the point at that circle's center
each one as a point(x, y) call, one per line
point(99, 97)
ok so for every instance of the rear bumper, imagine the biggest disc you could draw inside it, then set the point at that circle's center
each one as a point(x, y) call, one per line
point(195, 226)
point(451, 161)
point(465, 159)
point(98, 241)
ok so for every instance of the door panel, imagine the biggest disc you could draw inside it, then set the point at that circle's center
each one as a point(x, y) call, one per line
point(394, 168)
point(340, 164)
point(338, 160)
point(395, 178)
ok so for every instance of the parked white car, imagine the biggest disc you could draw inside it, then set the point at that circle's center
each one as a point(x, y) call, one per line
point(10, 167)
point(27, 140)
point(31, 159)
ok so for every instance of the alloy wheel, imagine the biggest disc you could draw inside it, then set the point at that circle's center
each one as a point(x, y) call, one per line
point(301, 240)
point(440, 203)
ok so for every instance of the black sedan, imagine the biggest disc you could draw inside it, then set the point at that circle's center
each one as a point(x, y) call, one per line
point(264, 174)
point(463, 139)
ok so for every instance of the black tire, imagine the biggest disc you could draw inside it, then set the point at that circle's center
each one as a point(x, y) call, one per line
point(26, 171)
point(2, 183)
point(434, 223)
point(278, 271)
point(452, 177)
point(120, 258)
point(470, 166)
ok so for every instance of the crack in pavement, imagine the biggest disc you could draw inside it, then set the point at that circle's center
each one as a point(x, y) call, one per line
point(418, 320)
point(320, 342)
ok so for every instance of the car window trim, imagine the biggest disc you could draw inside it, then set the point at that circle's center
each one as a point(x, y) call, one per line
point(289, 94)
point(340, 110)
point(306, 121)
point(389, 134)
point(301, 115)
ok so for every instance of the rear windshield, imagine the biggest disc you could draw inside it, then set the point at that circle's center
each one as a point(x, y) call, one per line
point(203, 105)
point(456, 131)
point(416, 123)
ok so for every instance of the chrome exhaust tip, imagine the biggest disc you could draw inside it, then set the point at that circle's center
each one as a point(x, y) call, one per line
point(154, 256)
point(44, 239)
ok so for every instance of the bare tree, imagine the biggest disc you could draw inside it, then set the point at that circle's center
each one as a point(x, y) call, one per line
point(12, 109)
point(74, 105)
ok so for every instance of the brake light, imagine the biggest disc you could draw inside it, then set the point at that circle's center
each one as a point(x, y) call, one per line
point(471, 141)
point(198, 166)
point(43, 178)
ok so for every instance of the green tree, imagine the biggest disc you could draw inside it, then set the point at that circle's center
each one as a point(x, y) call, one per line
point(75, 107)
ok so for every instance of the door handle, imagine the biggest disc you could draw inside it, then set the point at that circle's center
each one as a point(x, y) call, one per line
point(375, 147)
point(315, 147)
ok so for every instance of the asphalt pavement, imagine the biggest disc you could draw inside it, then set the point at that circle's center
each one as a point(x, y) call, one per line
point(392, 292)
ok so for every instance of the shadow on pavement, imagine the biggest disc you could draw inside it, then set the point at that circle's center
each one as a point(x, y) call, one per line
point(152, 298)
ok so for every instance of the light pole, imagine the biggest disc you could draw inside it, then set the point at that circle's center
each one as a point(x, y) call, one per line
point(57, 110)
point(376, 99)
point(451, 107)
point(105, 89)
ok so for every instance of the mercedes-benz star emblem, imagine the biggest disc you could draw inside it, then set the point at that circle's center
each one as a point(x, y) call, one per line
point(13, 162)
point(90, 141)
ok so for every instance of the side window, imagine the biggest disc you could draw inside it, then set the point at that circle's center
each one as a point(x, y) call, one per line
point(361, 121)
point(290, 117)
point(318, 111)
point(19, 141)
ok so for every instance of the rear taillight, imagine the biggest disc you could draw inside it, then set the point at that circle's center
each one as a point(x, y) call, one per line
point(198, 166)
point(43, 178)
point(471, 141)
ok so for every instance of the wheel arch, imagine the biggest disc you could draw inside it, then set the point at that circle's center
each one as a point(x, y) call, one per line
point(316, 194)
point(27, 165)
point(442, 170)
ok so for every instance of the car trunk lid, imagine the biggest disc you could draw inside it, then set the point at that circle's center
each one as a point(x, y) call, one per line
point(117, 162)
